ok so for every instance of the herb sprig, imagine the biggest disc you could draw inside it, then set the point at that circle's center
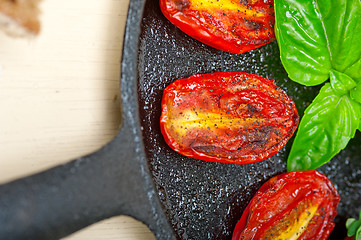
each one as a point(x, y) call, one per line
point(354, 227)
point(320, 40)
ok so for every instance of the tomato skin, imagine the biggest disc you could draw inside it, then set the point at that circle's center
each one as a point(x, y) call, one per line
point(230, 117)
point(280, 202)
point(227, 25)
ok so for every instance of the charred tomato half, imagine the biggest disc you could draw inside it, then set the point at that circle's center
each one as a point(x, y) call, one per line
point(231, 117)
point(296, 205)
point(228, 25)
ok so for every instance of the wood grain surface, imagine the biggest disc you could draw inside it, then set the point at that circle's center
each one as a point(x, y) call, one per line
point(59, 96)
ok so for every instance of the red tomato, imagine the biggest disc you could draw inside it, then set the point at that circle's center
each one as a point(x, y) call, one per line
point(296, 205)
point(228, 25)
point(231, 117)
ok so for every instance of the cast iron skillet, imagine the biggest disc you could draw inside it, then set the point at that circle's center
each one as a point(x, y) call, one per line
point(137, 174)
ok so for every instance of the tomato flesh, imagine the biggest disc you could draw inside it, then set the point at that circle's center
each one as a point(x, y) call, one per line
point(296, 205)
point(231, 117)
point(228, 25)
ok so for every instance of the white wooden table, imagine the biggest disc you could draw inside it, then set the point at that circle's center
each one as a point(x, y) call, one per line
point(59, 95)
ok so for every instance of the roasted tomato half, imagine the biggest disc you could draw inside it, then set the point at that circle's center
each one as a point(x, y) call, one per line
point(231, 117)
point(296, 205)
point(233, 26)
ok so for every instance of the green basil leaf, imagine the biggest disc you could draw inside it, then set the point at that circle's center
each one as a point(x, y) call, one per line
point(325, 129)
point(358, 234)
point(316, 36)
point(342, 24)
point(302, 42)
point(354, 71)
point(341, 83)
point(353, 228)
point(349, 222)
point(355, 93)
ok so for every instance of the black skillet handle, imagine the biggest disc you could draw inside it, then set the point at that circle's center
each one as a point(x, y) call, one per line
point(113, 181)
point(64, 199)
point(57, 202)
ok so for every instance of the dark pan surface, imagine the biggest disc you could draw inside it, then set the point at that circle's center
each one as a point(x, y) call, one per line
point(204, 200)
